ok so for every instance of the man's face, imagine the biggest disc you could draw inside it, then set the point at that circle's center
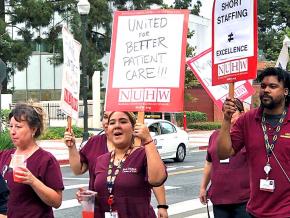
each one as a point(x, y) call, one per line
point(272, 92)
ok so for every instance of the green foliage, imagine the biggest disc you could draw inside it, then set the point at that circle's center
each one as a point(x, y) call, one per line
point(204, 125)
point(58, 132)
point(192, 116)
point(273, 25)
point(5, 140)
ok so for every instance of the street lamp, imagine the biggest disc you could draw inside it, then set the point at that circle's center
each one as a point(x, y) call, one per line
point(84, 9)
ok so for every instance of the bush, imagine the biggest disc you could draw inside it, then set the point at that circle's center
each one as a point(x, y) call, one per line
point(5, 140)
point(204, 125)
point(58, 132)
point(191, 116)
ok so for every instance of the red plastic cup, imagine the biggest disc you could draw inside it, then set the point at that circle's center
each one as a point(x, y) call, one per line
point(17, 161)
point(87, 199)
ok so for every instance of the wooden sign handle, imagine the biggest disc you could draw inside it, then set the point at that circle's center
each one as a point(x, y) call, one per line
point(140, 119)
point(231, 90)
point(69, 124)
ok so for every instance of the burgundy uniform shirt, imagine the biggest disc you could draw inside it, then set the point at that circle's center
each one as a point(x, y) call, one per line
point(95, 146)
point(132, 192)
point(23, 202)
point(247, 131)
point(229, 181)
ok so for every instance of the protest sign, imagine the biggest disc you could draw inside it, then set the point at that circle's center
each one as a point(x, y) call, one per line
point(147, 62)
point(283, 58)
point(71, 75)
point(201, 67)
point(234, 41)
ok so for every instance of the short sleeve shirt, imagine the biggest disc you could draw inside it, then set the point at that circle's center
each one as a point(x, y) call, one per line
point(222, 189)
point(96, 146)
point(132, 192)
point(23, 201)
point(247, 131)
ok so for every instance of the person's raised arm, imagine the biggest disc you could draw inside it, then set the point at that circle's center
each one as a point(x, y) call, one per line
point(224, 142)
point(76, 165)
point(204, 182)
point(155, 167)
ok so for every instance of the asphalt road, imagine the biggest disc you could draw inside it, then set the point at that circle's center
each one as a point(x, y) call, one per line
point(182, 189)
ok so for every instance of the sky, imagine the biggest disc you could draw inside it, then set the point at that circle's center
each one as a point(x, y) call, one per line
point(205, 10)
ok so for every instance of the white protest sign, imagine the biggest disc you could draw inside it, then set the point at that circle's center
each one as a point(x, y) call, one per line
point(71, 75)
point(284, 54)
point(201, 66)
point(234, 40)
point(147, 62)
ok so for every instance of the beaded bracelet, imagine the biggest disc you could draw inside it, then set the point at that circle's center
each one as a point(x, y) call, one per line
point(164, 206)
point(146, 143)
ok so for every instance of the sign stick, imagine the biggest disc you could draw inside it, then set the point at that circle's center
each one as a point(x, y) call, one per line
point(140, 119)
point(231, 90)
point(69, 124)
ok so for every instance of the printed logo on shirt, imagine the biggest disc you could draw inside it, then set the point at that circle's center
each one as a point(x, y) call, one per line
point(129, 170)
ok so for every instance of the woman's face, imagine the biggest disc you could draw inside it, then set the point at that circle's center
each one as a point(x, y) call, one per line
point(105, 120)
point(120, 130)
point(20, 132)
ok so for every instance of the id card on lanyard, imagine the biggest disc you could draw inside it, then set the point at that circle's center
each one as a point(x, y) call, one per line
point(113, 214)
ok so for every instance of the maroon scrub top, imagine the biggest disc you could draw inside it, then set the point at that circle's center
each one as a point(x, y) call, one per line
point(132, 192)
point(23, 202)
point(95, 146)
point(229, 181)
point(247, 131)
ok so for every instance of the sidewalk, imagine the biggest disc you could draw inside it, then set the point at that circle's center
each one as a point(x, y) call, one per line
point(198, 140)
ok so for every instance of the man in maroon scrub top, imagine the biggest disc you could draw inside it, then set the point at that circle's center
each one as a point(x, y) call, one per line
point(265, 133)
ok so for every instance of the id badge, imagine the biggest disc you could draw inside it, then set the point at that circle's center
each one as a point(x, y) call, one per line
point(267, 185)
point(113, 214)
point(225, 161)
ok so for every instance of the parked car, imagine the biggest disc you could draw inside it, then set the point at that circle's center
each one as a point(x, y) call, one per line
point(170, 140)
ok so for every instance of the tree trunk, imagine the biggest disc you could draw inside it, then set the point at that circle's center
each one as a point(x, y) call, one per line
point(2, 10)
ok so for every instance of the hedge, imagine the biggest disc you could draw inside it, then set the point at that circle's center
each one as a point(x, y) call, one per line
point(204, 125)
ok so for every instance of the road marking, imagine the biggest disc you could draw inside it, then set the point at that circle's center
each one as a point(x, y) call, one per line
point(68, 204)
point(167, 187)
point(177, 208)
point(172, 168)
point(68, 187)
point(73, 178)
point(185, 171)
point(185, 206)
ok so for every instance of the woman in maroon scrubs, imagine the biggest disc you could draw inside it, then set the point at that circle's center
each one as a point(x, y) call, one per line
point(39, 185)
point(124, 177)
point(85, 160)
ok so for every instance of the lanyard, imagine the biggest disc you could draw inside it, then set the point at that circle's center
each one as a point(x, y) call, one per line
point(270, 147)
point(112, 175)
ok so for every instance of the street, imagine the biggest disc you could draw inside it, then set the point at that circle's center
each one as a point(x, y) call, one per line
point(182, 189)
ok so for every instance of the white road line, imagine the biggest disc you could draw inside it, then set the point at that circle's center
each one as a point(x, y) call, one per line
point(73, 178)
point(68, 204)
point(185, 206)
point(68, 187)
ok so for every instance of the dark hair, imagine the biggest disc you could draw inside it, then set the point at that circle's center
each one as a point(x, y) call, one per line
point(239, 104)
point(131, 116)
point(282, 76)
point(34, 115)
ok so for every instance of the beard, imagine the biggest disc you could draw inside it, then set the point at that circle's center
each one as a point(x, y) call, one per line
point(270, 103)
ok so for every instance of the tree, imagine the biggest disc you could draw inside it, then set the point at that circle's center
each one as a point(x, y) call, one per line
point(190, 79)
point(37, 14)
point(273, 25)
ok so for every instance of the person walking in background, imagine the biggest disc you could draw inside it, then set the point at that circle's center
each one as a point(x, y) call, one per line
point(85, 159)
point(229, 190)
point(36, 188)
point(265, 133)
point(124, 177)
